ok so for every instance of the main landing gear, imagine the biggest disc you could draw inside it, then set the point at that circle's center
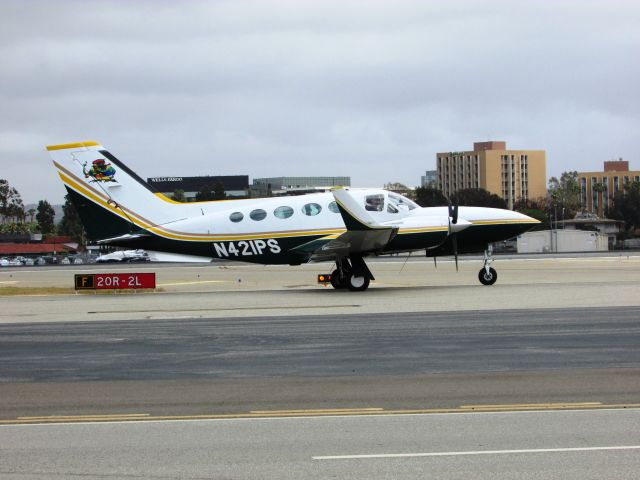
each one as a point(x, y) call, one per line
point(487, 275)
point(351, 273)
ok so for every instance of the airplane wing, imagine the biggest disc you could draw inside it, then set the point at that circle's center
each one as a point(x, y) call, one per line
point(363, 235)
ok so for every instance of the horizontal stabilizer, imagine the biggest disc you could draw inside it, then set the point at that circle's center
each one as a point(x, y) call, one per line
point(129, 236)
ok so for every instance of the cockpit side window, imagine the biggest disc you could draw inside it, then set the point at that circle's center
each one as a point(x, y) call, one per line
point(401, 203)
point(374, 203)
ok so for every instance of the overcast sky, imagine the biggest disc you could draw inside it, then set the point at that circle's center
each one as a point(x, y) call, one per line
point(370, 89)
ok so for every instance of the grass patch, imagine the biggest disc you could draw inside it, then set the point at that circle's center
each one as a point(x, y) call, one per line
point(35, 290)
point(14, 291)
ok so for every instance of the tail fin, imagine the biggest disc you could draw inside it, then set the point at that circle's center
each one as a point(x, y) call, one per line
point(110, 198)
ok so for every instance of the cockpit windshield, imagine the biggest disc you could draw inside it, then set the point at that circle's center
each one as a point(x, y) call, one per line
point(401, 203)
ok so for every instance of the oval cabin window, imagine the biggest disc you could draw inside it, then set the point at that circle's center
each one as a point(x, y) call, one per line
point(283, 212)
point(311, 209)
point(236, 217)
point(258, 214)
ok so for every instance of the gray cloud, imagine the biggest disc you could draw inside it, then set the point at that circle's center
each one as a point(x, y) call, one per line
point(371, 89)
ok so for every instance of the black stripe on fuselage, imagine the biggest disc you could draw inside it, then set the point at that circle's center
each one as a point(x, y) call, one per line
point(128, 171)
point(475, 238)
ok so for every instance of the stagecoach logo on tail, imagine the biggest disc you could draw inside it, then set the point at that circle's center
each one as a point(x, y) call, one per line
point(100, 171)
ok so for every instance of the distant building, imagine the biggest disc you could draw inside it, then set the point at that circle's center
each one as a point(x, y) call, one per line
point(513, 175)
point(234, 185)
point(398, 187)
point(278, 186)
point(430, 179)
point(552, 241)
point(591, 222)
point(597, 189)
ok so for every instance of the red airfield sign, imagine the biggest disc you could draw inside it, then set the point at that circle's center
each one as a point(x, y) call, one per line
point(114, 281)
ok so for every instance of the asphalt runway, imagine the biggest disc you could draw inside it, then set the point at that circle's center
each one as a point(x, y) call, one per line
point(322, 345)
point(408, 361)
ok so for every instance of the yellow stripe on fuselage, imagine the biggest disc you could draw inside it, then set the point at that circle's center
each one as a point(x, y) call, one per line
point(164, 198)
point(404, 231)
point(503, 222)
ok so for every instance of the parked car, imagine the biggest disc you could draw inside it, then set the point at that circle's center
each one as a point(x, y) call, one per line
point(10, 262)
point(124, 256)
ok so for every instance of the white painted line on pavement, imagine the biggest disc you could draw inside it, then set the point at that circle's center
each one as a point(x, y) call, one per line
point(477, 452)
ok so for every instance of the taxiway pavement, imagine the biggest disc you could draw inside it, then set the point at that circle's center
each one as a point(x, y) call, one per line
point(233, 290)
point(578, 445)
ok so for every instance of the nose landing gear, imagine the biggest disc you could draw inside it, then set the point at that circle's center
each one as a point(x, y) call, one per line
point(487, 275)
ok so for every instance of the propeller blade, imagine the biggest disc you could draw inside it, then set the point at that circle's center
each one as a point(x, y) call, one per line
point(454, 239)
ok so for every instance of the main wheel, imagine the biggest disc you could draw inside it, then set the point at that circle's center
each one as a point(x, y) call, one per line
point(358, 283)
point(338, 282)
point(487, 278)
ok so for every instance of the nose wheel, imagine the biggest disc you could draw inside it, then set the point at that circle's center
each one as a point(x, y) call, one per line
point(487, 275)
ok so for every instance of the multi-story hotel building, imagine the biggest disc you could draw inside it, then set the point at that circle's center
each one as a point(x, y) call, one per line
point(597, 189)
point(513, 175)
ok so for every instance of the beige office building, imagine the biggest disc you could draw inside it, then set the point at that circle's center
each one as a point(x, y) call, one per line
point(597, 189)
point(511, 174)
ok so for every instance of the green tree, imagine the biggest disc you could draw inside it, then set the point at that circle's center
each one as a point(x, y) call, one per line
point(429, 197)
point(564, 194)
point(536, 208)
point(218, 191)
point(11, 206)
point(478, 197)
point(204, 194)
point(211, 192)
point(626, 206)
point(178, 195)
point(45, 217)
point(70, 223)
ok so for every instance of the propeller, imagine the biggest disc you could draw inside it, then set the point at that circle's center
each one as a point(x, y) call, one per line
point(453, 219)
point(453, 212)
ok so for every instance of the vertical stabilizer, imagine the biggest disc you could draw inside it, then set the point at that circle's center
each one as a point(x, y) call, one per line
point(110, 198)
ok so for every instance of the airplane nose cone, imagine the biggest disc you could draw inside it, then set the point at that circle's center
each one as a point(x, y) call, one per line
point(460, 225)
point(526, 223)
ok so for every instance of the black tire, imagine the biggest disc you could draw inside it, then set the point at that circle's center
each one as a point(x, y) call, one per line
point(358, 283)
point(487, 278)
point(338, 282)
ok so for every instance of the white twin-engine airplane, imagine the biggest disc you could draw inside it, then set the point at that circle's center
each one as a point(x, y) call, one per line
point(344, 226)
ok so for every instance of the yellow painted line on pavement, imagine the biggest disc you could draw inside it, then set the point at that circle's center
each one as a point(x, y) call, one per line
point(257, 414)
point(537, 406)
point(84, 417)
point(321, 410)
